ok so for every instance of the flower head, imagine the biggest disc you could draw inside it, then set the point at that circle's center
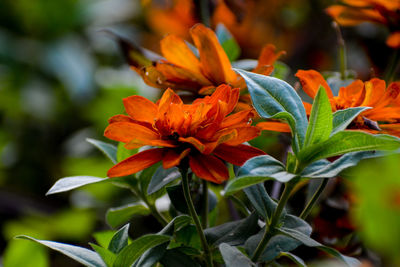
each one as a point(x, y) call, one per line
point(386, 12)
point(202, 133)
point(384, 101)
point(181, 69)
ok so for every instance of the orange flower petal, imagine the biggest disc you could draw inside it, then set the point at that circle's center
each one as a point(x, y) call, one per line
point(214, 61)
point(223, 136)
point(244, 134)
point(126, 131)
point(374, 91)
point(172, 159)
point(393, 40)
point(195, 142)
point(352, 95)
point(268, 55)
point(181, 75)
point(239, 118)
point(237, 155)
point(137, 162)
point(209, 168)
point(136, 143)
point(140, 108)
point(350, 16)
point(176, 51)
point(274, 126)
point(311, 80)
point(120, 118)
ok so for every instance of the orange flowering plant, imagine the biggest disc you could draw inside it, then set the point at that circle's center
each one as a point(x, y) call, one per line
point(200, 135)
point(180, 69)
point(385, 12)
point(193, 155)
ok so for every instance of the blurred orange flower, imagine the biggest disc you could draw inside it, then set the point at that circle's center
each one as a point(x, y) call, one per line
point(181, 69)
point(203, 133)
point(384, 102)
point(383, 117)
point(251, 22)
point(354, 12)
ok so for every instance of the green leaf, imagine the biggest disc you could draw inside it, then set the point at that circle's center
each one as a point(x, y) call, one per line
point(308, 241)
point(103, 238)
point(261, 201)
point(177, 198)
point(69, 183)
point(108, 149)
point(228, 42)
point(151, 256)
point(161, 178)
point(327, 169)
point(342, 118)
point(123, 153)
point(82, 255)
point(257, 170)
point(119, 240)
point(294, 258)
point(281, 70)
point(131, 253)
point(276, 99)
point(175, 258)
point(233, 257)
point(320, 123)
point(278, 243)
point(233, 233)
point(107, 256)
point(346, 142)
point(73, 182)
point(118, 216)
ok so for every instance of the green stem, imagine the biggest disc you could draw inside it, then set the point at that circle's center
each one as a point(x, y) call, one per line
point(193, 214)
point(239, 205)
point(342, 51)
point(392, 67)
point(151, 206)
point(270, 229)
point(314, 199)
point(204, 215)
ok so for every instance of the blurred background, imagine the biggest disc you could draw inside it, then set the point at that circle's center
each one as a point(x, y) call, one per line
point(62, 76)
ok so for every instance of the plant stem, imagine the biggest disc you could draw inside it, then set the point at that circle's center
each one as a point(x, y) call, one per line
point(392, 67)
point(193, 214)
point(204, 215)
point(342, 51)
point(270, 229)
point(151, 206)
point(314, 199)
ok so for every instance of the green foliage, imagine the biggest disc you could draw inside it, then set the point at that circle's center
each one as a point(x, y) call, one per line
point(233, 257)
point(118, 216)
point(275, 99)
point(81, 255)
point(342, 118)
point(228, 42)
point(320, 124)
point(306, 240)
point(254, 170)
point(161, 178)
point(132, 252)
point(109, 150)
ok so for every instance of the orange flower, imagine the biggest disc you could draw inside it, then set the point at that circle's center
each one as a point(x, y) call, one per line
point(384, 102)
point(354, 12)
point(383, 117)
point(252, 22)
point(181, 69)
point(201, 133)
